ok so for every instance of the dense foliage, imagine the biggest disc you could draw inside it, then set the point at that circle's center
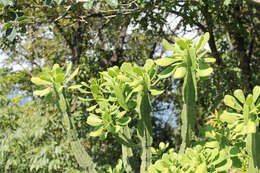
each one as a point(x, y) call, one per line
point(113, 104)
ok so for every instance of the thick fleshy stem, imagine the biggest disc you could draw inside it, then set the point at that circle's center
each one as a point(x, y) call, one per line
point(145, 129)
point(127, 152)
point(189, 91)
point(82, 157)
point(253, 146)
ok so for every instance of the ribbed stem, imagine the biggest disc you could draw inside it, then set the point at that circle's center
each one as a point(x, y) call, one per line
point(189, 97)
point(145, 129)
point(127, 152)
point(253, 149)
point(82, 157)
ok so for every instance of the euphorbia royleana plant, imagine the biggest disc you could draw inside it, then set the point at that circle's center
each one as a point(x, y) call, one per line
point(187, 63)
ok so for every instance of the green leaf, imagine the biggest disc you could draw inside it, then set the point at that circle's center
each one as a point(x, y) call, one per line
point(162, 146)
point(73, 87)
point(123, 78)
point(120, 97)
point(249, 99)
point(256, 93)
point(42, 92)
point(38, 81)
point(68, 70)
point(232, 102)
point(212, 144)
point(72, 75)
point(179, 73)
point(12, 35)
point(149, 64)
point(204, 72)
point(123, 121)
point(209, 60)
point(167, 61)
point(234, 151)
point(55, 67)
point(182, 43)
point(126, 67)
point(59, 78)
point(203, 40)
point(202, 168)
point(156, 92)
point(121, 114)
point(230, 117)
point(167, 45)
point(225, 166)
point(94, 120)
point(113, 3)
point(166, 72)
point(91, 108)
point(240, 95)
point(203, 54)
point(97, 132)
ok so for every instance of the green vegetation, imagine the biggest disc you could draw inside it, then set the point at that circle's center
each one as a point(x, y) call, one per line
point(84, 86)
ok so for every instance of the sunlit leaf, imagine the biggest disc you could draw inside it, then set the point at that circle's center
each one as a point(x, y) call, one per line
point(42, 92)
point(240, 95)
point(230, 117)
point(179, 73)
point(182, 43)
point(59, 78)
point(209, 60)
point(203, 40)
point(166, 61)
point(38, 81)
point(68, 70)
point(120, 97)
point(121, 114)
point(94, 120)
point(156, 92)
point(91, 108)
point(72, 75)
point(202, 168)
point(73, 87)
point(97, 132)
point(232, 102)
point(204, 72)
point(256, 93)
point(167, 45)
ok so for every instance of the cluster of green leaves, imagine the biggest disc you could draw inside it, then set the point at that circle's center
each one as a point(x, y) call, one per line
point(55, 80)
point(121, 95)
point(187, 53)
point(244, 122)
point(195, 160)
point(116, 95)
point(189, 63)
point(225, 144)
